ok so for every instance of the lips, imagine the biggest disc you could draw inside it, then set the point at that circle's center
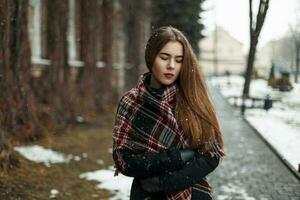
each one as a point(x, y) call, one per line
point(169, 75)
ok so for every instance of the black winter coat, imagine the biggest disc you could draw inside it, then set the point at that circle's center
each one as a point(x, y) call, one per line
point(174, 175)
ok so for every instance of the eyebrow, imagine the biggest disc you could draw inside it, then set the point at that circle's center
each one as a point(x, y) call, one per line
point(163, 53)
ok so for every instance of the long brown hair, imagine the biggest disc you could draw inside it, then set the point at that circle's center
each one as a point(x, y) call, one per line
point(194, 109)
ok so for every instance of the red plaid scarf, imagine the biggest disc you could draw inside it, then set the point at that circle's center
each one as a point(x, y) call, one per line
point(159, 130)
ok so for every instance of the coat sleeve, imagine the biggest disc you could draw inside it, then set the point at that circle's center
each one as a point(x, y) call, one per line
point(189, 175)
point(148, 164)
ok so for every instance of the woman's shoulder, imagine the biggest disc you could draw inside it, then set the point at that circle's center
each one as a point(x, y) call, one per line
point(127, 102)
point(128, 96)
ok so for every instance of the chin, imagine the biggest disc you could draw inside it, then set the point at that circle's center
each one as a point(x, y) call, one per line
point(169, 82)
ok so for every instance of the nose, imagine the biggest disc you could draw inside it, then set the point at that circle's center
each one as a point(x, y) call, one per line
point(171, 64)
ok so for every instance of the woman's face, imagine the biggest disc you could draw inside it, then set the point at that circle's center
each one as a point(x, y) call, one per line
point(167, 64)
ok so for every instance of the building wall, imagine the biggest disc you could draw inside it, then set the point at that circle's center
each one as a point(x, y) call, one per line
point(280, 52)
point(220, 52)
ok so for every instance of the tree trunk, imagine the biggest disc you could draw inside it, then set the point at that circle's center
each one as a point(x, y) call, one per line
point(255, 29)
point(132, 43)
point(5, 96)
point(57, 90)
point(20, 116)
point(7, 160)
point(104, 93)
point(249, 70)
point(135, 30)
point(88, 43)
point(17, 110)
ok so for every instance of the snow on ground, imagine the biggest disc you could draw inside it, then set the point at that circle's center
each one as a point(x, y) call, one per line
point(279, 134)
point(236, 191)
point(280, 126)
point(120, 184)
point(53, 193)
point(40, 154)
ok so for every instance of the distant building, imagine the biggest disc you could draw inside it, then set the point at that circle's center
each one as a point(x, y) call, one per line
point(279, 52)
point(221, 52)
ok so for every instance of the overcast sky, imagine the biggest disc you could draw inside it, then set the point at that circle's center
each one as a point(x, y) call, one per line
point(233, 16)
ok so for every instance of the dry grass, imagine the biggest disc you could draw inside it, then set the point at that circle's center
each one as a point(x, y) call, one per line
point(35, 181)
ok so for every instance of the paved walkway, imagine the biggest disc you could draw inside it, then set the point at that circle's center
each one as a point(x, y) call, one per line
point(250, 170)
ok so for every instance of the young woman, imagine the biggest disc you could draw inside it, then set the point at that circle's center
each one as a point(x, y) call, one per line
point(166, 133)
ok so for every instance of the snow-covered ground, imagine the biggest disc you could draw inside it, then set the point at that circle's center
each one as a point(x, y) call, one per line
point(53, 193)
point(234, 190)
point(280, 126)
point(120, 184)
point(46, 156)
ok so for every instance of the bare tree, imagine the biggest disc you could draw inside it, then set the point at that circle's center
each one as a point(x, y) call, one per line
point(255, 28)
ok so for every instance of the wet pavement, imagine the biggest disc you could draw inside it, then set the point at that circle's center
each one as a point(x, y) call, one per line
point(250, 170)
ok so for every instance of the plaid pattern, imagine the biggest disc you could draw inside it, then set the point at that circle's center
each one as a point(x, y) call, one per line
point(145, 123)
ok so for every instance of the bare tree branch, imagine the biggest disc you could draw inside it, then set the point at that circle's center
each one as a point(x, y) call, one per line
point(251, 17)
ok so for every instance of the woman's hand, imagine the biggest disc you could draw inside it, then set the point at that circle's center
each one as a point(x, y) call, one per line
point(152, 184)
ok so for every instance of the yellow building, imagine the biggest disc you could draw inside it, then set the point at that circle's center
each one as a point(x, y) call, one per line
point(221, 52)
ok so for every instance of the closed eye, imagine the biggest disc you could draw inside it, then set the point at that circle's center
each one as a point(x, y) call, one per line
point(179, 60)
point(164, 57)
